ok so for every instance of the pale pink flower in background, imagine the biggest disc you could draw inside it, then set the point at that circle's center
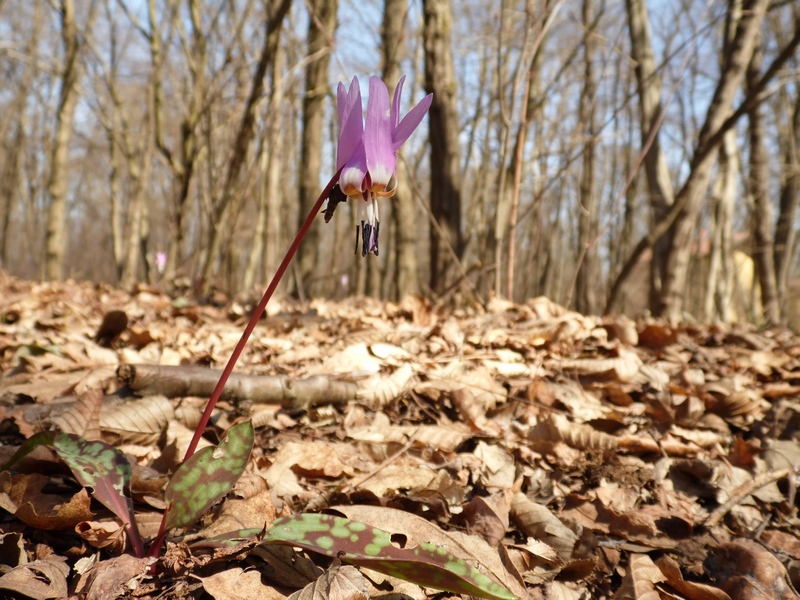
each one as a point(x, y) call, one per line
point(161, 261)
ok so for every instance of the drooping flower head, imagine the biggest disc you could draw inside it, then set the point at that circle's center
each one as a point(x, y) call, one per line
point(367, 152)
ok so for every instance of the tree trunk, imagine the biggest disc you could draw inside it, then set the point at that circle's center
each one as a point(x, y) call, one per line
point(56, 239)
point(589, 265)
point(655, 163)
point(721, 268)
point(407, 221)
point(11, 171)
point(693, 192)
point(321, 29)
point(444, 129)
point(764, 252)
point(785, 232)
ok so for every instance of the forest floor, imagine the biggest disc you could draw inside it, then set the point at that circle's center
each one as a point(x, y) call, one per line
point(564, 456)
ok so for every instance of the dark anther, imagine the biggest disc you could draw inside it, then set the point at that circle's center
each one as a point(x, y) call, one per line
point(366, 229)
point(336, 196)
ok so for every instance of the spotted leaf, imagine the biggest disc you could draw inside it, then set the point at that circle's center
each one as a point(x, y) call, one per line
point(106, 472)
point(360, 544)
point(207, 476)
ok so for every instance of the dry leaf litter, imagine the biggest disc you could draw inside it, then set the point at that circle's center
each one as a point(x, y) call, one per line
point(565, 456)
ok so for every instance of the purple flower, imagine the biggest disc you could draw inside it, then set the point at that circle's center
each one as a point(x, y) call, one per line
point(367, 153)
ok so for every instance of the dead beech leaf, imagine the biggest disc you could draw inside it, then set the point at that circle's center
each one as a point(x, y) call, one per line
point(747, 571)
point(40, 579)
point(440, 437)
point(497, 466)
point(50, 512)
point(537, 521)
point(313, 459)
point(577, 435)
point(115, 577)
point(376, 392)
point(138, 422)
point(539, 549)
point(640, 579)
point(689, 589)
point(240, 584)
point(622, 368)
point(103, 534)
point(337, 583)
point(82, 417)
point(482, 520)
point(581, 403)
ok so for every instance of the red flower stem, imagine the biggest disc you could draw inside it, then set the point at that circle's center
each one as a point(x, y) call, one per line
point(155, 549)
point(276, 279)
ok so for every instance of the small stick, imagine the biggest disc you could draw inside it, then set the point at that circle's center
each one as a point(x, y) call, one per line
point(743, 492)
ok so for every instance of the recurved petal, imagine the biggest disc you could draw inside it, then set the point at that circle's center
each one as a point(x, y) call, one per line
point(410, 122)
point(398, 92)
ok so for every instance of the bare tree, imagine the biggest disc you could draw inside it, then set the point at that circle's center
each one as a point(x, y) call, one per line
point(445, 153)
point(650, 116)
point(720, 117)
point(59, 174)
point(405, 221)
point(724, 192)
point(15, 138)
point(321, 30)
point(586, 299)
point(764, 252)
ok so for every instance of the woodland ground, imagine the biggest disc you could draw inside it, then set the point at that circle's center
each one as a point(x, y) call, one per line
point(565, 456)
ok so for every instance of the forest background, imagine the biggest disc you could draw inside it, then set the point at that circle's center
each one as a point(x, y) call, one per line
point(617, 156)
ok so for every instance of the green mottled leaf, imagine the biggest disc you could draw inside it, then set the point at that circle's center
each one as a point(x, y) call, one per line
point(107, 473)
point(360, 544)
point(43, 438)
point(95, 465)
point(207, 476)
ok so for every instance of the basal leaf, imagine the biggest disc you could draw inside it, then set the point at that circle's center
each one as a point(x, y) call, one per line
point(43, 438)
point(360, 544)
point(106, 471)
point(208, 475)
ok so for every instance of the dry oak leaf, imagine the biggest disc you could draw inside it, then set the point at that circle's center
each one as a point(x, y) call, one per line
point(40, 579)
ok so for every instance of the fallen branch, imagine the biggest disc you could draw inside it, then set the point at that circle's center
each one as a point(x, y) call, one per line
point(191, 380)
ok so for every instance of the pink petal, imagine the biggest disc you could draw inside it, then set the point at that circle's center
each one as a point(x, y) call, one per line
point(381, 158)
point(410, 122)
point(351, 126)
